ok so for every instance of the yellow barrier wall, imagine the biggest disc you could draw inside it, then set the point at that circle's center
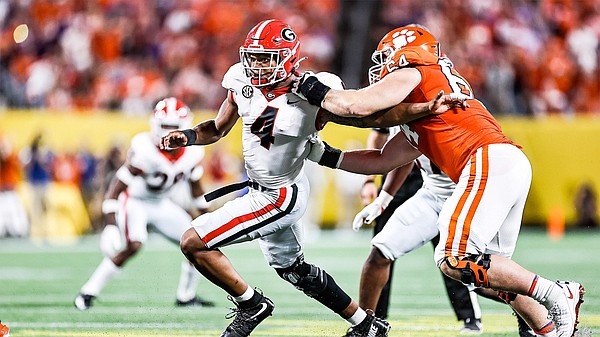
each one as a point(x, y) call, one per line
point(564, 153)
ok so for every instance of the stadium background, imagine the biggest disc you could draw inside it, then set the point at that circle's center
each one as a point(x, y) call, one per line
point(88, 72)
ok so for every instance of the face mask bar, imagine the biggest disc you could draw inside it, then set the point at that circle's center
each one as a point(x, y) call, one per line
point(257, 74)
point(379, 57)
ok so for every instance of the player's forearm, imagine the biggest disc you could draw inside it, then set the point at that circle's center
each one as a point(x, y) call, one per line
point(206, 133)
point(396, 178)
point(366, 162)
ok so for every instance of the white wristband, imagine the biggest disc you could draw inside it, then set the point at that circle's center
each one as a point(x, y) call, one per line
point(110, 206)
point(385, 198)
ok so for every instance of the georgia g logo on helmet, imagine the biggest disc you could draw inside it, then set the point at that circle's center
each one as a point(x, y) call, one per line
point(288, 34)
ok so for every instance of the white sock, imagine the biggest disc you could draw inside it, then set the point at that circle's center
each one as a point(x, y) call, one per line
point(544, 291)
point(188, 282)
point(245, 296)
point(103, 273)
point(358, 317)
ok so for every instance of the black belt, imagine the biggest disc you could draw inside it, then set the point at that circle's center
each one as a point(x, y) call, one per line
point(219, 192)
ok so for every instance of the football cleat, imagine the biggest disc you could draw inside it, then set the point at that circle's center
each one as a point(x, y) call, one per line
point(565, 311)
point(194, 302)
point(371, 326)
point(245, 320)
point(83, 301)
point(472, 326)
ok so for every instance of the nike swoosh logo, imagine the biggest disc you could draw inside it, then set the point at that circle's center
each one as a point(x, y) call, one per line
point(264, 307)
point(373, 331)
point(570, 293)
point(294, 102)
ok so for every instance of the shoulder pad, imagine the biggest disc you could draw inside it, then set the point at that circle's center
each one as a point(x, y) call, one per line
point(233, 77)
point(331, 80)
point(140, 151)
point(409, 57)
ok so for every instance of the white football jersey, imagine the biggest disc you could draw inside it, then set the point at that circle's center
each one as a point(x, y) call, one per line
point(160, 171)
point(276, 127)
point(433, 178)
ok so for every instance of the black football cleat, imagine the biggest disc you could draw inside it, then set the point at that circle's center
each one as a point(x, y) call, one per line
point(245, 320)
point(371, 326)
point(195, 302)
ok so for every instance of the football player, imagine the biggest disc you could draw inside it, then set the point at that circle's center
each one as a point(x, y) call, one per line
point(404, 226)
point(479, 223)
point(139, 195)
point(277, 126)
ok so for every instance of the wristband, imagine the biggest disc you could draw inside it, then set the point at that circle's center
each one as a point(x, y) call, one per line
point(110, 206)
point(331, 157)
point(191, 136)
point(314, 90)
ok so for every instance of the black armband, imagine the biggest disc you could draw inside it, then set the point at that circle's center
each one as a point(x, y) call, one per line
point(191, 136)
point(314, 90)
point(331, 157)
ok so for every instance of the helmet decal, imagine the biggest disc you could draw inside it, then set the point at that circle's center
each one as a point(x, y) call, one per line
point(288, 34)
point(402, 38)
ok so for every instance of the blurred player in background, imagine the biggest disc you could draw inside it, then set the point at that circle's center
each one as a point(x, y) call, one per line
point(13, 217)
point(405, 213)
point(140, 195)
point(277, 126)
point(479, 223)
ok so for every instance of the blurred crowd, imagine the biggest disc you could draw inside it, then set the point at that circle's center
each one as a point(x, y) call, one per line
point(521, 56)
point(528, 57)
point(126, 54)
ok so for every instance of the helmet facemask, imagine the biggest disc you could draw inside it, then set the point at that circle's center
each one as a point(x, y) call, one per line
point(379, 57)
point(275, 61)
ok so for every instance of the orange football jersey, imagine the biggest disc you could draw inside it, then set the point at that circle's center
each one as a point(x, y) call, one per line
point(448, 139)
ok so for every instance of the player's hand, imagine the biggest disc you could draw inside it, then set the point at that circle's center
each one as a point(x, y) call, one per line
point(317, 148)
point(173, 140)
point(368, 192)
point(372, 211)
point(442, 103)
point(111, 242)
point(299, 82)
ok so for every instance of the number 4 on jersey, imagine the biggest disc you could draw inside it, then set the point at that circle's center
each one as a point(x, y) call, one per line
point(263, 127)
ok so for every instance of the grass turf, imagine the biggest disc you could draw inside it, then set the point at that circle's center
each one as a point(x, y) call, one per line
point(38, 284)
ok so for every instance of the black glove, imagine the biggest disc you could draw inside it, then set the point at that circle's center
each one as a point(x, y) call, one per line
point(311, 88)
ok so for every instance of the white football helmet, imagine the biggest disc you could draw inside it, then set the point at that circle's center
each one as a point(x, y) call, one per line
point(170, 114)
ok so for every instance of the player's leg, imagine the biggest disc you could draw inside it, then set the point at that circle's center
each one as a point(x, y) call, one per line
point(383, 302)
point(479, 232)
point(254, 215)
point(411, 226)
point(171, 220)
point(464, 302)
point(133, 221)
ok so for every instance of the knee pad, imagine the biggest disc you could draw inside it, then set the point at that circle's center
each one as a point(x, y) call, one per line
point(507, 297)
point(473, 268)
point(306, 277)
point(315, 283)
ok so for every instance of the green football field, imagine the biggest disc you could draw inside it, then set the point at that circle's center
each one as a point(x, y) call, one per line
point(39, 282)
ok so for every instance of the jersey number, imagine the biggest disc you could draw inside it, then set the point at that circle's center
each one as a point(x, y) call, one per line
point(458, 84)
point(263, 127)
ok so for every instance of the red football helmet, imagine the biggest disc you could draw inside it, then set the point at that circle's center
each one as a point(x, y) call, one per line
point(170, 114)
point(270, 53)
point(411, 35)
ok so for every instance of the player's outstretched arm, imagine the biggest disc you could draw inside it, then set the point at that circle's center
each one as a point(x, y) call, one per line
point(400, 114)
point(396, 152)
point(206, 132)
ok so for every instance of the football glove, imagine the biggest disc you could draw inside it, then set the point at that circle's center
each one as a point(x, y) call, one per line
point(110, 241)
point(310, 87)
point(372, 210)
point(323, 154)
